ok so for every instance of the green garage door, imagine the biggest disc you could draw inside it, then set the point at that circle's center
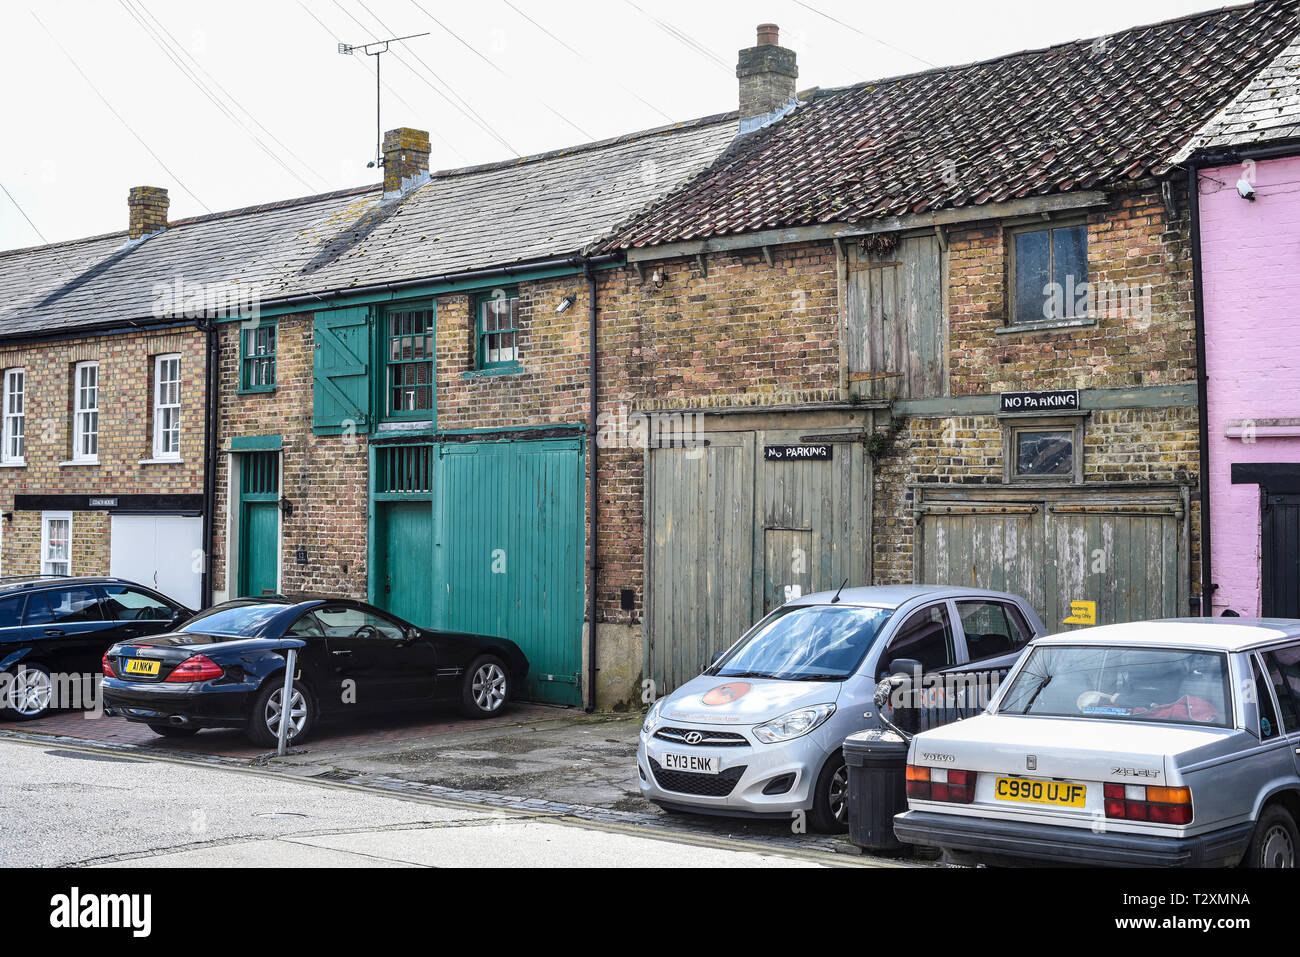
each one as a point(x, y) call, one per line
point(508, 553)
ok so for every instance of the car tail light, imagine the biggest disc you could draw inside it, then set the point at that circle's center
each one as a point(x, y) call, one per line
point(106, 668)
point(1136, 802)
point(196, 668)
point(941, 784)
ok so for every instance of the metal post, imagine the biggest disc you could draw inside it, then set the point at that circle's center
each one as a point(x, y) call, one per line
point(286, 696)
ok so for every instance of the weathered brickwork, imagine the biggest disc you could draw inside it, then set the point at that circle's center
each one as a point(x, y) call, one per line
point(1152, 446)
point(125, 437)
point(323, 477)
point(739, 333)
point(1132, 244)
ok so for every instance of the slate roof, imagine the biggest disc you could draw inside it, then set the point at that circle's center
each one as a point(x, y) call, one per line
point(1075, 116)
point(1267, 110)
point(510, 213)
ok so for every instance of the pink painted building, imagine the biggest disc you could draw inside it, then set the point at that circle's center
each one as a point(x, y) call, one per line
point(1248, 167)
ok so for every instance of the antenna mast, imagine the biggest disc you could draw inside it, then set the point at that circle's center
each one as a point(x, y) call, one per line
point(375, 49)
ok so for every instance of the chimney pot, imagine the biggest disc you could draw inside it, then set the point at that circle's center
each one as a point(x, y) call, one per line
point(406, 159)
point(147, 206)
point(767, 73)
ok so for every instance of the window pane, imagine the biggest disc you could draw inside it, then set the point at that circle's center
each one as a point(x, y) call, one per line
point(11, 610)
point(1033, 273)
point(1113, 683)
point(925, 637)
point(1045, 453)
point(129, 604)
point(1070, 267)
point(73, 605)
point(989, 631)
point(1284, 672)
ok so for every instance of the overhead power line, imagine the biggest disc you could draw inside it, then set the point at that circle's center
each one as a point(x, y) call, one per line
point(203, 88)
point(18, 206)
point(233, 99)
point(848, 26)
point(497, 67)
point(684, 38)
point(462, 106)
point(577, 53)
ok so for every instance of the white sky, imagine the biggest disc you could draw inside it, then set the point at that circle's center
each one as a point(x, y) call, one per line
point(68, 161)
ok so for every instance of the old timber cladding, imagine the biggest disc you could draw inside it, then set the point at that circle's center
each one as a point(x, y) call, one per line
point(1124, 548)
point(896, 328)
point(717, 515)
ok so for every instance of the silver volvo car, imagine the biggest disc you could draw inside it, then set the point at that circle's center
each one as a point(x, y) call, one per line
point(1163, 743)
point(758, 734)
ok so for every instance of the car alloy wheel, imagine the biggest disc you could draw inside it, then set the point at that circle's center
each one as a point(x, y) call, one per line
point(1277, 849)
point(838, 793)
point(297, 713)
point(489, 686)
point(31, 691)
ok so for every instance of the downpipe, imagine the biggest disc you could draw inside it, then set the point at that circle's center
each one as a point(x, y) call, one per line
point(593, 563)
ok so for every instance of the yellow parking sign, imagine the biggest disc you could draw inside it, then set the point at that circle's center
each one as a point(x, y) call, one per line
point(1082, 613)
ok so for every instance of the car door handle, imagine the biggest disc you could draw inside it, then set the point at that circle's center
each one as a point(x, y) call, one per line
point(342, 654)
point(55, 632)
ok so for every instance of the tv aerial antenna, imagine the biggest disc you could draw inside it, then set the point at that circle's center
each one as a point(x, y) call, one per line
point(376, 49)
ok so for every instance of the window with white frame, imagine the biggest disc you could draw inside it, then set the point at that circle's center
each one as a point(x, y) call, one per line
point(167, 407)
point(85, 412)
point(15, 417)
point(56, 543)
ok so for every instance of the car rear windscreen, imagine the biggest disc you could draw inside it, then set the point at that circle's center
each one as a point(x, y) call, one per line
point(1161, 685)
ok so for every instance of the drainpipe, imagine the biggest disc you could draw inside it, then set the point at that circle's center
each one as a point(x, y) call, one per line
point(1202, 387)
point(209, 454)
point(592, 564)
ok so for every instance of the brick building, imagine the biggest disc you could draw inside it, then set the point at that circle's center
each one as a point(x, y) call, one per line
point(935, 327)
point(105, 392)
point(1246, 162)
point(967, 295)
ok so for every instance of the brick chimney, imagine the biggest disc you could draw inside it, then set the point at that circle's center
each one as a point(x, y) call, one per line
point(767, 74)
point(406, 160)
point(148, 208)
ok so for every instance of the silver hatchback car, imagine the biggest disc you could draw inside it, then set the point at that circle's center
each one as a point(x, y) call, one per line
point(758, 734)
point(1152, 743)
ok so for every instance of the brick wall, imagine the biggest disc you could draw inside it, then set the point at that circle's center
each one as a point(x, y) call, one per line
point(324, 477)
point(125, 436)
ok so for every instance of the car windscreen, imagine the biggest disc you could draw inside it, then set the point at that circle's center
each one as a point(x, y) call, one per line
point(1111, 683)
point(236, 621)
point(808, 643)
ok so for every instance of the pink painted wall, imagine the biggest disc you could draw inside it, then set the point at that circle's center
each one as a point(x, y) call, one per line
point(1250, 257)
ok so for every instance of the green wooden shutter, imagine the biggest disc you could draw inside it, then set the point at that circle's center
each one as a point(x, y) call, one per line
point(340, 370)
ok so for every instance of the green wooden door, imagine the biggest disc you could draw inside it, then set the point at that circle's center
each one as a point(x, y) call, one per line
point(508, 550)
point(259, 524)
point(406, 585)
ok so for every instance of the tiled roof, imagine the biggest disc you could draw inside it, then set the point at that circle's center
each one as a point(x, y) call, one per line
point(1075, 116)
point(1267, 110)
point(510, 213)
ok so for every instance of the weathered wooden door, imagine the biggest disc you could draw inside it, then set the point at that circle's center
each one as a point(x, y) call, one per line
point(1281, 556)
point(733, 534)
point(700, 566)
point(1124, 550)
point(986, 546)
point(895, 331)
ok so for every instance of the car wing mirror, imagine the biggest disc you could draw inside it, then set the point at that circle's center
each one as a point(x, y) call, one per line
point(716, 658)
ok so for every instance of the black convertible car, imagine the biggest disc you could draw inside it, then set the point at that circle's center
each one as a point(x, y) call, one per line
point(224, 668)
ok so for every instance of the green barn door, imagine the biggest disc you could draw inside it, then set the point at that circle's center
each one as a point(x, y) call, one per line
point(403, 548)
point(508, 552)
point(259, 524)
